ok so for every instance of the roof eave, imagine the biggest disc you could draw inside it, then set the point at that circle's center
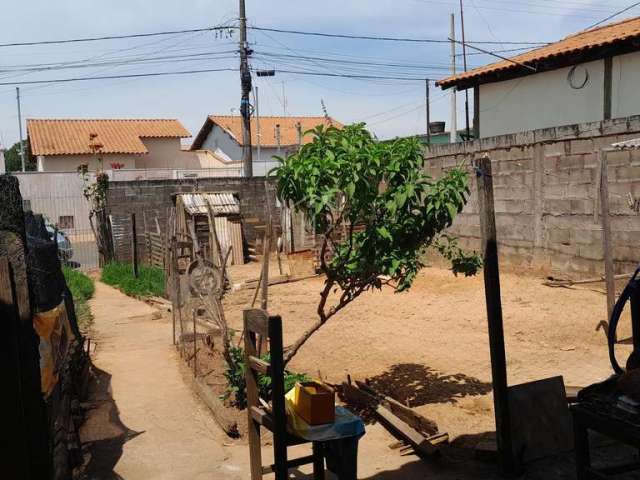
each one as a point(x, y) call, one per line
point(567, 59)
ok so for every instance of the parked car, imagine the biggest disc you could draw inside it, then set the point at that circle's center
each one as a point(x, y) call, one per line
point(64, 244)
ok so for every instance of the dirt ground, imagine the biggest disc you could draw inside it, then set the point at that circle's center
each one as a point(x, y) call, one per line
point(428, 347)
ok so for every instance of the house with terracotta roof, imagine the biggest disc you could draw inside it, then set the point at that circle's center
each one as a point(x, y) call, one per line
point(589, 76)
point(222, 136)
point(60, 145)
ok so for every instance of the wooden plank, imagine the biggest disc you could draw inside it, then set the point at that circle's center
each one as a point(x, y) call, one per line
point(259, 415)
point(491, 271)
point(419, 443)
point(259, 365)
point(551, 432)
point(256, 321)
point(217, 407)
point(134, 246)
point(406, 414)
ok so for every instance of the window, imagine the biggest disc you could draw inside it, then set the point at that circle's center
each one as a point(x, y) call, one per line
point(65, 222)
point(26, 205)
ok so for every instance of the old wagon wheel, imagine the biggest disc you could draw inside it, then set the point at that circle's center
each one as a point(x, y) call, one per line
point(203, 278)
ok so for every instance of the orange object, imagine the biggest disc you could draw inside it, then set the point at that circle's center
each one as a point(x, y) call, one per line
point(315, 403)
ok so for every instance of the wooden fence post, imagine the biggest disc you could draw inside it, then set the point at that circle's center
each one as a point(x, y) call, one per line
point(606, 234)
point(494, 313)
point(13, 247)
point(134, 246)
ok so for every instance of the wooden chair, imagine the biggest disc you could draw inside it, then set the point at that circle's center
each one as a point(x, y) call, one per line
point(273, 417)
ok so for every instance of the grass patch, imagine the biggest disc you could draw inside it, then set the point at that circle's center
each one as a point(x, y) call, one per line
point(82, 288)
point(150, 281)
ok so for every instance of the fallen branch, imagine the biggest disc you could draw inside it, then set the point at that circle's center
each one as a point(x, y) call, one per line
point(559, 282)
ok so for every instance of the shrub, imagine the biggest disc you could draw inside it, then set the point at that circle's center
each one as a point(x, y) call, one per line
point(150, 281)
point(82, 289)
point(237, 388)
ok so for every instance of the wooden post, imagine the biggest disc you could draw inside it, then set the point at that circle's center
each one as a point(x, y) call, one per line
point(606, 234)
point(15, 425)
point(13, 247)
point(250, 349)
point(494, 313)
point(277, 391)
point(134, 246)
point(174, 282)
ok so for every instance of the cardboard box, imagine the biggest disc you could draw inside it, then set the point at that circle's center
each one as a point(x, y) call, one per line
point(315, 403)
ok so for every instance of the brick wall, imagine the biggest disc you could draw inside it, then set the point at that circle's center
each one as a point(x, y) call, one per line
point(154, 198)
point(545, 184)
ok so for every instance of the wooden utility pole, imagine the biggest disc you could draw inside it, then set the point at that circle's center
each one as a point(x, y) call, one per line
point(134, 246)
point(245, 107)
point(494, 313)
point(606, 234)
point(464, 59)
point(453, 122)
point(22, 155)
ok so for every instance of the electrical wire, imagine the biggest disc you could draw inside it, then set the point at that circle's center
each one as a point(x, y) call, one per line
point(380, 38)
point(110, 77)
point(114, 37)
point(620, 12)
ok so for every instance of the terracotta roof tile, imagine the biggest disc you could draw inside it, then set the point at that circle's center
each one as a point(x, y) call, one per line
point(232, 124)
point(71, 137)
point(605, 35)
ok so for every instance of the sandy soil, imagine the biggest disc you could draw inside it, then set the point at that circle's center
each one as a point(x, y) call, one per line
point(429, 346)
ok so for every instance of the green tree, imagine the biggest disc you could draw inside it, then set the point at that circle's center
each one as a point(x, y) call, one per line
point(12, 160)
point(376, 210)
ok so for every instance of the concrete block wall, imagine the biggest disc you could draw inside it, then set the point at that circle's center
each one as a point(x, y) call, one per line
point(545, 187)
point(154, 198)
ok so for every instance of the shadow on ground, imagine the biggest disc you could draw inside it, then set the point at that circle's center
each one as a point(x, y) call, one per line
point(103, 434)
point(416, 385)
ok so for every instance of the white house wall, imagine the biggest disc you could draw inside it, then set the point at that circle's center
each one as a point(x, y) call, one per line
point(219, 140)
point(625, 81)
point(69, 163)
point(57, 195)
point(542, 100)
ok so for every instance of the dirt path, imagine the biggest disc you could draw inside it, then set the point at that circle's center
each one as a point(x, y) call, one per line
point(168, 434)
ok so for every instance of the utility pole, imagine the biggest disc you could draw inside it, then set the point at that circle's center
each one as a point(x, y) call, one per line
point(284, 100)
point(258, 134)
point(428, 109)
point(464, 59)
point(245, 107)
point(20, 130)
point(453, 123)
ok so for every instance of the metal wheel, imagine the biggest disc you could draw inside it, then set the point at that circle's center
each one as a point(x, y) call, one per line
point(203, 278)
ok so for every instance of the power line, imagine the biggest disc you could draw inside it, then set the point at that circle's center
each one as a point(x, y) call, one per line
point(111, 77)
point(114, 37)
point(385, 39)
point(349, 62)
point(620, 12)
point(130, 61)
point(349, 75)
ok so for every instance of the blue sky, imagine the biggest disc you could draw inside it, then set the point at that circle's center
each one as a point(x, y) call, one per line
point(390, 107)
